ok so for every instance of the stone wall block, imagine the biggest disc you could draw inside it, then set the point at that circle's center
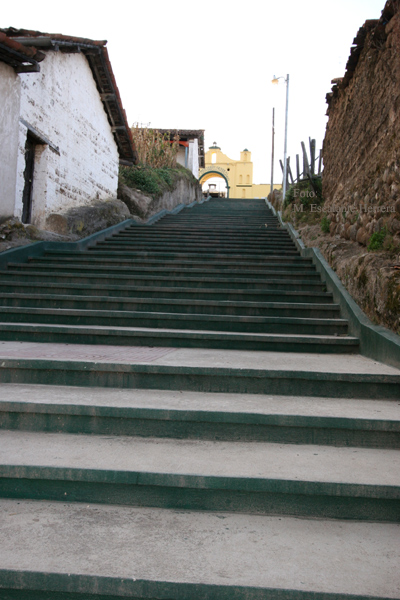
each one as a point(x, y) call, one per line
point(394, 226)
point(85, 220)
point(353, 232)
point(362, 236)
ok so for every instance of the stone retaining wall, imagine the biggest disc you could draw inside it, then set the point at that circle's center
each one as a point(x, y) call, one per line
point(144, 206)
point(361, 181)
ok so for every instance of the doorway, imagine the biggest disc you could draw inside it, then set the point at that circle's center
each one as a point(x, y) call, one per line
point(30, 149)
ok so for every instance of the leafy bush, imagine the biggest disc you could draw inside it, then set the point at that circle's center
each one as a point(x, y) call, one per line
point(304, 192)
point(377, 239)
point(154, 181)
point(325, 224)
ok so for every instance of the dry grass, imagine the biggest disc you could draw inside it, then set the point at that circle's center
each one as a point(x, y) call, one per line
point(154, 149)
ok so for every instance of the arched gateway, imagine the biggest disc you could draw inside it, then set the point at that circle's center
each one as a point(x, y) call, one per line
point(238, 174)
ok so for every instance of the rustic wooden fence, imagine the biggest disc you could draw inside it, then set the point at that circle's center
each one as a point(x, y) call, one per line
point(312, 167)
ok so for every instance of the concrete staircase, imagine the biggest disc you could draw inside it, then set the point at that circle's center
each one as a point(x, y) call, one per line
point(184, 416)
point(214, 276)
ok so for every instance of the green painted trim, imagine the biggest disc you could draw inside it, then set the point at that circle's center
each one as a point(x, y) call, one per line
point(29, 585)
point(35, 473)
point(143, 413)
point(257, 381)
point(200, 425)
point(228, 187)
point(376, 342)
point(166, 495)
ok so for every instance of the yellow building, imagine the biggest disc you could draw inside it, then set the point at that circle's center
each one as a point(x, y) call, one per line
point(238, 174)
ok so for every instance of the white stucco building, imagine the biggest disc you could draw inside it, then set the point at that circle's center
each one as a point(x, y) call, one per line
point(63, 130)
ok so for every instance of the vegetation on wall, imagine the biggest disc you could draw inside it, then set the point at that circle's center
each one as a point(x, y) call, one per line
point(303, 202)
point(157, 171)
point(155, 149)
point(152, 181)
point(377, 239)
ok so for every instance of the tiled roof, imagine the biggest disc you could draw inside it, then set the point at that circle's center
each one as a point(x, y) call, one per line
point(21, 58)
point(99, 62)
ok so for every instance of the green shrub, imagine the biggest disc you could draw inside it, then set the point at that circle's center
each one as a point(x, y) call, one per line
point(377, 239)
point(154, 182)
point(325, 224)
point(312, 194)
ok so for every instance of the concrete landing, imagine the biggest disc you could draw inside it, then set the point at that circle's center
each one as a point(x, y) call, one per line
point(246, 556)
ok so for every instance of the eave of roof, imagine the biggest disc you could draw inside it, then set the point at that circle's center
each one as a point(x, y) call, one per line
point(99, 62)
point(20, 58)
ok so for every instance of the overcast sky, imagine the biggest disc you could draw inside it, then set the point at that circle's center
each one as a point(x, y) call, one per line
point(208, 65)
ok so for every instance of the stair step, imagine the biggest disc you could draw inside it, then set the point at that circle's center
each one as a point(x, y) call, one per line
point(261, 258)
point(157, 233)
point(158, 261)
point(147, 336)
point(268, 309)
point(184, 251)
point(272, 281)
point(149, 553)
point(83, 266)
point(216, 257)
point(129, 291)
point(106, 259)
point(296, 480)
point(264, 274)
point(230, 323)
point(198, 248)
point(200, 370)
point(199, 415)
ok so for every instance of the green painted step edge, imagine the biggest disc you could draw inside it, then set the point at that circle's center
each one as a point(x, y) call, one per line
point(162, 493)
point(158, 292)
point(178, 302)
point(171, 272)
point(181, 334)
point(168, 316)
point(162, 377)
point(24, 271)
point(206, 416)
point(375, 341)
point(212, 426)
point(38, 585)
point(201, 482)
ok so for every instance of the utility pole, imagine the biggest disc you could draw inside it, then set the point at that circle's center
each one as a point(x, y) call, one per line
point(272, 153)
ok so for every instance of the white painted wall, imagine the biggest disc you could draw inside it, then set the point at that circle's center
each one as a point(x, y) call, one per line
point(193, 157)
point(63, 104)
point(180, 157)
point(9, 115)
point(193, 162)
